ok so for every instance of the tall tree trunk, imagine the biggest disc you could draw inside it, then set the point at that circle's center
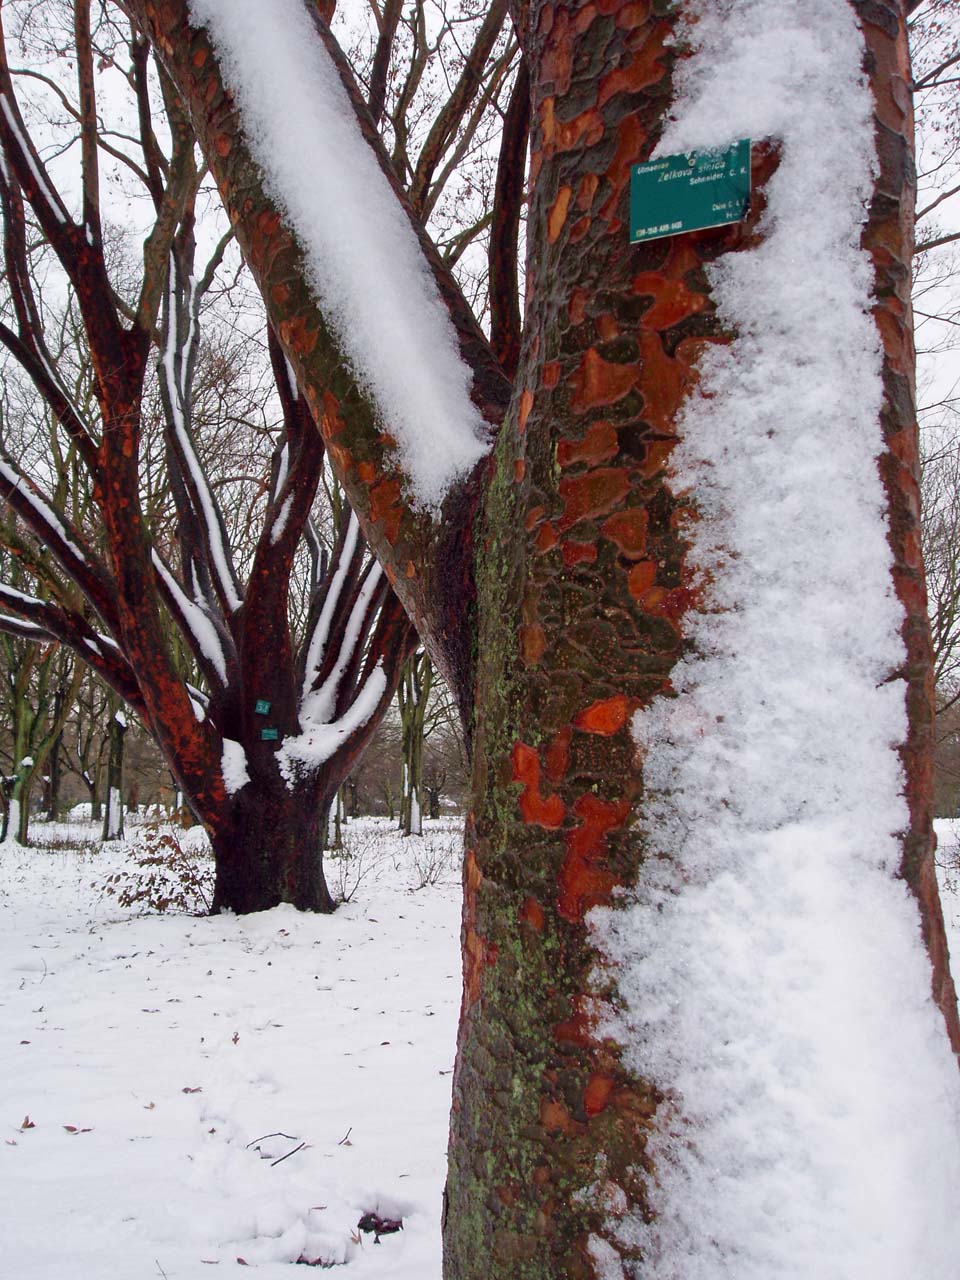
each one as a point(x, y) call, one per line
point(113, 811)
point(582, 589)
point(413, 694)
point(270, 851)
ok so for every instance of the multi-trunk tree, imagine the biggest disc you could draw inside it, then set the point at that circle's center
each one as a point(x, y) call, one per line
point(262, 727)
point(555, 586)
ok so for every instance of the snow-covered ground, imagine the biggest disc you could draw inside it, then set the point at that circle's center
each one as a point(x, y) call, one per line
point(155, 1070)
point(167, 1063)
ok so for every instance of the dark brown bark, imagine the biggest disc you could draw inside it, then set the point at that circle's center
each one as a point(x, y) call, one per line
point(888, 235)
point(270, 851)
point(505, 318)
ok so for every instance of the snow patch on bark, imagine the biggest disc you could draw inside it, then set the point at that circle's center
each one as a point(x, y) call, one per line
point(233, 766)
point(773, 981)
point(364, 259)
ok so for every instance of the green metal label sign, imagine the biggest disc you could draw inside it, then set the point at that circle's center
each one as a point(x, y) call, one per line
point(689, 192)
point(269, 735)
point(261, 707)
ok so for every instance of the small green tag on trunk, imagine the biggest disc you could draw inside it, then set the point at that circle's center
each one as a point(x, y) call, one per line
point(262, 707)
point(269, 735)
point(689, 192)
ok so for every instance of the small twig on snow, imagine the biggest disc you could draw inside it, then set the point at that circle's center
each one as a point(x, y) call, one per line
point(290, 1136)
point(288, 1155)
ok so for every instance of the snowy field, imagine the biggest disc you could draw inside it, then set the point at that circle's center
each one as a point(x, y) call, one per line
point(155, 1070)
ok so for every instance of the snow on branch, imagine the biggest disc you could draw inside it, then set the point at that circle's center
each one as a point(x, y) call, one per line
point(175, 368)
point(315, 647)
point(43, 620)
point(773, 981)
point(365, 261)
point(64, 542)
point(197, 625)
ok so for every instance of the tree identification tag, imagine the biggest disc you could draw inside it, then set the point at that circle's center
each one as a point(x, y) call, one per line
point(689, 192)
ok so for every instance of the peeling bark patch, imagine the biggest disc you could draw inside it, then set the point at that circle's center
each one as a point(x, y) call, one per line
point(575, 553)
point(583, 882)
point(533, 643)
point(523, 413)
point(544, 811)
point(531, 913)
point(643, 70)
point(385, 507)
point(590, 495)
point(605, 717)
point(597, 1093)
point(600, 382)
point(628, 529)
point(641, 578)
point(558, 755)
point(558, 214)
point(600, 444)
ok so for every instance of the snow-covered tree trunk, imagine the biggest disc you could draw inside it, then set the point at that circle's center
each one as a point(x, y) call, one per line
point(622, 1071)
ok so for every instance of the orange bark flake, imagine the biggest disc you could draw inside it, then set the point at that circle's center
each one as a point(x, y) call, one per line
point(546, 539)
point(670, 603)
point(556, 1117)
point(583, 882)
point(597, 1094)
point(577, 309)
point(296, 335)
point(367, 472)
point(672, 300)
point(605, 717)
point(598, 382)
point(533, 643)
point(543, 811)
point(631, 139)
point(551, 374)
point(600, 444)
point(558, 755)
point(519, 470)
point(632, 16)
point(641, 578)
point(586, 190)
point(474, 946)
point(558, 214)
point(645, 69)
point(586, 128)
point(385, 506)
point(578, 1029)
point(556, 65)
point(607, 327)
point(579, 229)
point(628, 529)
point(575, 553)
point(531, 913)
point(331, 423)
point(592, 494)
point(533, 518)
point(341, 458)
point(663, 384)
point(523, 413)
